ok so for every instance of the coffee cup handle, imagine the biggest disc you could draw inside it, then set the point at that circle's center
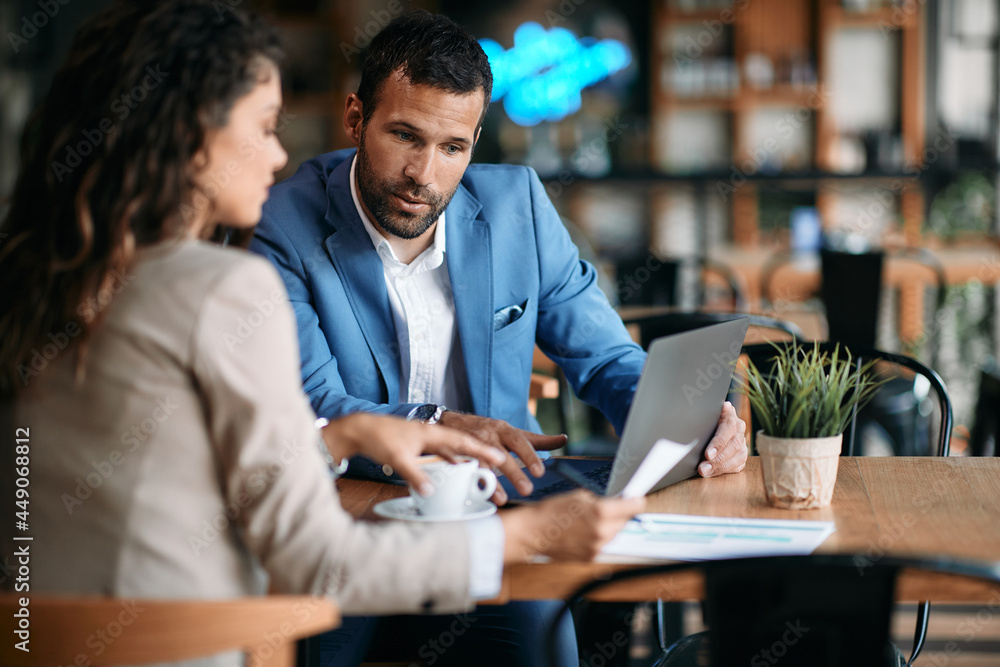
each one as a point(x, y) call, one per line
point(489, 482)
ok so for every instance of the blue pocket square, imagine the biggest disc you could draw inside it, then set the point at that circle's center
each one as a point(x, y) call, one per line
point(508, 315)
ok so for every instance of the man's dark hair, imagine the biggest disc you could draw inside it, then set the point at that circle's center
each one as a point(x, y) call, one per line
point(430, 50)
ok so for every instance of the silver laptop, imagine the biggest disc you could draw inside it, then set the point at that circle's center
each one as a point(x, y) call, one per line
point(680, 395)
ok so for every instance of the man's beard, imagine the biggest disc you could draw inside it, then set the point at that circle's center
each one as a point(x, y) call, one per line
point(377, 193)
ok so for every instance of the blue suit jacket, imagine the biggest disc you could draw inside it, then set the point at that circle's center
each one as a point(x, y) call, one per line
point(506, 246)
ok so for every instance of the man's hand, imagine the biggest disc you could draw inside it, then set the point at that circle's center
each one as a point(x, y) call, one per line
point(570, 526)
point(397, 442)
point(508, 440)
point(727, 451)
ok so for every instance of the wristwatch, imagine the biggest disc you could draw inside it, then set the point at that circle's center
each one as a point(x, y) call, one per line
point(428, 413)
point(336, 469)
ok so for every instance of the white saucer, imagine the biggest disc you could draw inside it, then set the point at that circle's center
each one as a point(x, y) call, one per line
point(405, 510)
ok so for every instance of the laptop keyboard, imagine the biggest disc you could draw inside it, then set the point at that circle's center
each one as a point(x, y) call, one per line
point(598, 476)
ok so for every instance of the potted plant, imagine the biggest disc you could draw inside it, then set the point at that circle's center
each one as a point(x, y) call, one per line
point(803, 403)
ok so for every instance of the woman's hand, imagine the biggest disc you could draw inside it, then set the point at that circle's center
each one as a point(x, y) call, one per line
point(398, 443)
point(571, 526)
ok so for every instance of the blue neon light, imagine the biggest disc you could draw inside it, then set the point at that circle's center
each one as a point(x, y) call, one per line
point(541, 76)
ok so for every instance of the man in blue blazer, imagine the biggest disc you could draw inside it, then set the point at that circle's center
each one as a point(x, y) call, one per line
point(516, 280)
point(419, 280)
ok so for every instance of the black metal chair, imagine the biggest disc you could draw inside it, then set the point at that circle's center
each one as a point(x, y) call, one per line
point(656, 325)
point(851, 288)
point(762, 353)
point(815, 611)
point(646, 280)
point(985, 437)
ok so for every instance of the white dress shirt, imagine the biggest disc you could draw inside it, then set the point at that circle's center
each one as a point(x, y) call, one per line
point(432, 369)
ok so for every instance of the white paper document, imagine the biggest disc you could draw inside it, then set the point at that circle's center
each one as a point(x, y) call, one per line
point(660, 460)
point(685, 537)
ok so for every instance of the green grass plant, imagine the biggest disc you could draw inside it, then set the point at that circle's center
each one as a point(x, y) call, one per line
point(807, 393)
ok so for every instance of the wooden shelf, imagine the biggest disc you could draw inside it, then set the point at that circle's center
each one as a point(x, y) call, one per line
point(780, 95)
point(886, 17)
point(696, 16)
point(785, 31)
point(723, 102)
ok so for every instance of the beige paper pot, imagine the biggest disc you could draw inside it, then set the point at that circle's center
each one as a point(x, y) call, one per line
point(799, 473)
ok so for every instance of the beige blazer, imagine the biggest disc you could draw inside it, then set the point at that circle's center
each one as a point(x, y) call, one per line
point(186, 464)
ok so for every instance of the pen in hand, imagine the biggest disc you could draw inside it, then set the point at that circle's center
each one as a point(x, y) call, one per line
point(573, 475)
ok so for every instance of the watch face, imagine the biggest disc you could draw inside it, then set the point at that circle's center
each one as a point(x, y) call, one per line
point(424, 412)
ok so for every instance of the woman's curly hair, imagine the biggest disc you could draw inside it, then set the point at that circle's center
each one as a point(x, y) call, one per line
point(106, 160)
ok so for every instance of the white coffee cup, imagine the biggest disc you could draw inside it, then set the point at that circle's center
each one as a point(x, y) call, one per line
point(457, 486)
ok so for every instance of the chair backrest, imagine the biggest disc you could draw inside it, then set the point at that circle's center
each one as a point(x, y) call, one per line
point(805, 610)
point(645, 280)
point(111, 631)
point(815, 611)
point(762, 353)
point(656, 325)
point(987, 424)
point(851, 287)
point(736, 292)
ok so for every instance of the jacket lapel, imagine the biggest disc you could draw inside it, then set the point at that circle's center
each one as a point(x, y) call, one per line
point(470, 270)
point(360, 270)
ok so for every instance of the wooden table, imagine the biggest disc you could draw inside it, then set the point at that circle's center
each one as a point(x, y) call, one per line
point(901, 506)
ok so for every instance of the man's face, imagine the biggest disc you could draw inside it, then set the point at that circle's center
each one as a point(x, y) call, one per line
point(413, 152)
